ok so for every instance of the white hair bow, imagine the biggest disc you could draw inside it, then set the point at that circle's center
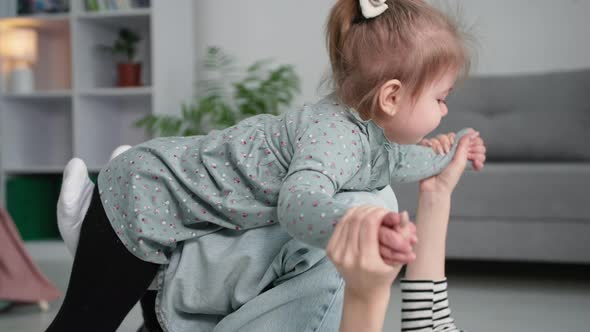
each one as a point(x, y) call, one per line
point(373, 8)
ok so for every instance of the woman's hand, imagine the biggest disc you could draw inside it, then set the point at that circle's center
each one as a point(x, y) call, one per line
point(477, 153)
point(471, 147)
point(393, 247)
point(443, 143)
point(354, 249)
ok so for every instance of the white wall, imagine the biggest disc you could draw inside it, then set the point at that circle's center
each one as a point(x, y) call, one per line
point(291, 31)
point(530, 35)
point(514, 35)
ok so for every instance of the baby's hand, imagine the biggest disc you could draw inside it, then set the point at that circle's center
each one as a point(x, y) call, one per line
point(354, 250)
point(397, 235)
point(441, 144)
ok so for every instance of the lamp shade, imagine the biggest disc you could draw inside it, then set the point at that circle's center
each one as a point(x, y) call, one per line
point(19, 45)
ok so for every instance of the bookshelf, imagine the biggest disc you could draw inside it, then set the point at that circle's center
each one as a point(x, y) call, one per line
point(76, 109)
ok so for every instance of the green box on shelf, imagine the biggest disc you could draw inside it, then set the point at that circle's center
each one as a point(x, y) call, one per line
point(31, 201)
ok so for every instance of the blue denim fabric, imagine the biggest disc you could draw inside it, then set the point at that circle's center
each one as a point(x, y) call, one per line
point(258, 280)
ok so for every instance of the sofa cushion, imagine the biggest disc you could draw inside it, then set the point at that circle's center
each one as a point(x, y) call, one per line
point(523, 192)
point(541, 117)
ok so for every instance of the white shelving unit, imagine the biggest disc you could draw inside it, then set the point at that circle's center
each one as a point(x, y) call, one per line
point(76, 109)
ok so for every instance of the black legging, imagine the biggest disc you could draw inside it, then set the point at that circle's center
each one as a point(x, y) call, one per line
point(106, 281)
point(148, 310)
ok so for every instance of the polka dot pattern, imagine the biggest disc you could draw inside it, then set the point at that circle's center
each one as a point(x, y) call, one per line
point(265, 171)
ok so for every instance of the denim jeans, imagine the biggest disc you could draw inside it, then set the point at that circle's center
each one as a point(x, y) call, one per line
point(256, 280)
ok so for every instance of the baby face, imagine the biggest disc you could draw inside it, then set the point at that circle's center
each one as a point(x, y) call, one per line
point(413, 121)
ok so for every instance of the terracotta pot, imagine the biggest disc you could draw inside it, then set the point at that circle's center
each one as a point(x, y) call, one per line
point(128, 74)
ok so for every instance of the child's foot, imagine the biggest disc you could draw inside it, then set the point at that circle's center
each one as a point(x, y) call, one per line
point(74, 199)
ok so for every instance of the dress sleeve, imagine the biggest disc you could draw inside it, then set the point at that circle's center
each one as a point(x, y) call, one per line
point(325, 158)
point(412, 163)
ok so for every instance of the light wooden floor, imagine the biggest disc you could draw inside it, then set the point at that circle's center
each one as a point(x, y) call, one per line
point(485, 297)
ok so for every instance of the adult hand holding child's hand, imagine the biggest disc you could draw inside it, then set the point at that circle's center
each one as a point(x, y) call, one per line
point(443, 143)
point(470, 147)
point(394, 232)
point(354, 249)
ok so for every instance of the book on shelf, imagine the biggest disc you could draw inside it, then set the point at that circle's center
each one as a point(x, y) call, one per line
point(141, 3)
point(31, 7)
point(100, 5)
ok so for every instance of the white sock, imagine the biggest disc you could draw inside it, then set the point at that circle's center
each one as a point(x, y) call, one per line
point(441, 310)
point(417, 302)
point(74, 199)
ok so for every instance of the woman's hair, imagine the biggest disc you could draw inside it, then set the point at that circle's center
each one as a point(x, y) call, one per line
point(411, 41)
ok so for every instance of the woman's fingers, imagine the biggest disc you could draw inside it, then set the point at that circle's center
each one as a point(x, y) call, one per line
point(352, 232)
point(477, 157)
point(477, 153)
point(363, 217)
point(478, 163)
point(336, 247)
point(460, 158)
point(364, 234)
point(398, 258)
point(453, 172)
point(477, 149)
point(334, 244)
point(477, 141)
point(478, 160)
point(369, 234)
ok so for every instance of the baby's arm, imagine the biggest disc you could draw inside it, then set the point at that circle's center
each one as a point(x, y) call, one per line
point(413, 163)
point(323, 160)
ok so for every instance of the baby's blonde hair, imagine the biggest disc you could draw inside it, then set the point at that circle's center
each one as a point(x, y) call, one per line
point(411, 41)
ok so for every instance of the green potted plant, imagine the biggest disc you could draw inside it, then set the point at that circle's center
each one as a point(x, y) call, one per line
point(226, 95)
point(128, 70)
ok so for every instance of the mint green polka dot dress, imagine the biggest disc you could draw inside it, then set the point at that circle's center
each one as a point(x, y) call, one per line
point(265, 171)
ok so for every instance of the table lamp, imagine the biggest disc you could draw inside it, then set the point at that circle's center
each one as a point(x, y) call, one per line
point(18, 46)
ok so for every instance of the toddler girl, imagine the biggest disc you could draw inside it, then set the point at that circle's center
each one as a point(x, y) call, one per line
point(244, 214)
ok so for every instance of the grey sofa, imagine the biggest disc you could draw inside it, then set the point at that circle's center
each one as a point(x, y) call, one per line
point(532, 200)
